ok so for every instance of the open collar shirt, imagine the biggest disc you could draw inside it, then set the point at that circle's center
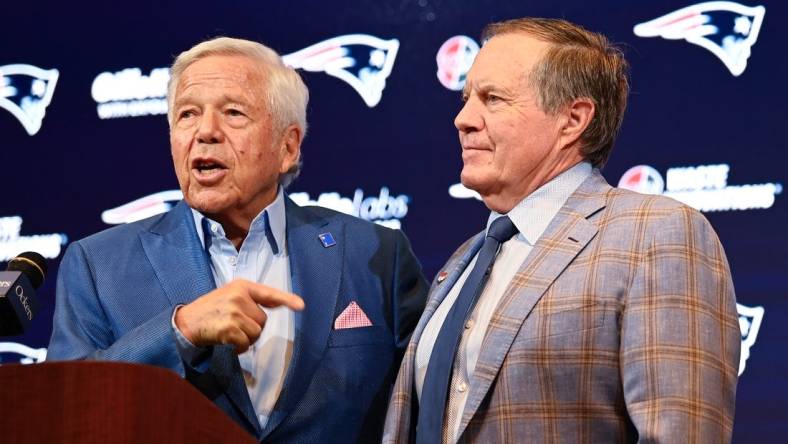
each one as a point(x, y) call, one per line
point(531, 216)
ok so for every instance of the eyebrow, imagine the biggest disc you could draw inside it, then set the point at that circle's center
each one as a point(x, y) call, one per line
point(486, 87)
point(224, 99)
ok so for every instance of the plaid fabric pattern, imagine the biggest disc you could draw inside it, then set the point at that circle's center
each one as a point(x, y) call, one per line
point(352, 317)
point(620, 326)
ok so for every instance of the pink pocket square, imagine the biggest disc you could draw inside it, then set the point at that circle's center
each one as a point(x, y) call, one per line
point(352, 317)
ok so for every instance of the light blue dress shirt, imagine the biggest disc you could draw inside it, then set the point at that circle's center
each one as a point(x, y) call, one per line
point(531, 216)
point(262, 258)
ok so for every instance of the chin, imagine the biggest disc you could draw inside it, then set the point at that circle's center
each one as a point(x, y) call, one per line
point(472, 181)
point(207, 204)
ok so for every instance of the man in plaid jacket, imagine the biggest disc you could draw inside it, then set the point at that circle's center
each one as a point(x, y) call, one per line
point(608, 316)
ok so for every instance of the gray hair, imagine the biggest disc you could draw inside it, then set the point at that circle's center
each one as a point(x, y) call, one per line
point(580, 63)
point(285, 91)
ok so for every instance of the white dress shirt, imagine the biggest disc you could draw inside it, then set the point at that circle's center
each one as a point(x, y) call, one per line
point(531, 217)
point(262, 258)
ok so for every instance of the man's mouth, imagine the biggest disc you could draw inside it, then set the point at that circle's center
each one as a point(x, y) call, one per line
point(207, 166)
point(469, 149)
point(474, 146)
point(208, 170)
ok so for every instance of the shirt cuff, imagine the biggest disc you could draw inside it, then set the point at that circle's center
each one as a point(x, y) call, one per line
point(190, 353)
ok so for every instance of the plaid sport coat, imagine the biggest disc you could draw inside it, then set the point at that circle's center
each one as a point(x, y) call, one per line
point(620, 326)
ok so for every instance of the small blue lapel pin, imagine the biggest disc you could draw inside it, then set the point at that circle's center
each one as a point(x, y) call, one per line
point(327, 240)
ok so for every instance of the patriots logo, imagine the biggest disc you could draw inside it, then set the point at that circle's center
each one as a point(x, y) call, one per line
point(141, 208)
point(727, 29)
point(361, 60)
point(749, 322)
point(29, 355)
point(25, 92)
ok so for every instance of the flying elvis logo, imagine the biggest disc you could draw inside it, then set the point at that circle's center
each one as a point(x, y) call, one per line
point(727, 29)
point(362, 61)
point(28, 355)
point(25, 92)
point(750, 319)
point(141, 208)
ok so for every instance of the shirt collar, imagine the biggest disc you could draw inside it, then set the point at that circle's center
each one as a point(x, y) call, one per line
point(532, 214)
point(271, 220)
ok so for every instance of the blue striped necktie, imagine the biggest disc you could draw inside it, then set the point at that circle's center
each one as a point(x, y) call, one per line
point(432, 404)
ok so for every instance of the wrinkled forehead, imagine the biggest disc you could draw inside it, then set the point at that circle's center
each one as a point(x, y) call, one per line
point(506, 59)
point(223, 71)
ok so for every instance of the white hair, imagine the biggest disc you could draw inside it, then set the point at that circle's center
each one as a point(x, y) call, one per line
point(285, 91)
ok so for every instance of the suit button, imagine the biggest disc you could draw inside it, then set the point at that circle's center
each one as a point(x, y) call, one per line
point(461, 387)
point(469, 324)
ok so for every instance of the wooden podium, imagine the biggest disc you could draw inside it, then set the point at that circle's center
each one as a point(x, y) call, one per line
point(107, 402)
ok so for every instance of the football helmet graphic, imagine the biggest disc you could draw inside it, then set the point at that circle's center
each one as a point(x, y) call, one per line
point(25, 92)
point(363, 61)
point(727, 29)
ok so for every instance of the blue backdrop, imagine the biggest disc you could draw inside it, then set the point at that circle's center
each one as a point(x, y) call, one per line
point(83, 130)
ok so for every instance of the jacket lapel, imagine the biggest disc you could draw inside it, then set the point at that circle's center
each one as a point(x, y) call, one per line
point(404, 400)
point(454, 267)
point(183, 268)
point(568, 233)
point(315, 272)
point(177, 257)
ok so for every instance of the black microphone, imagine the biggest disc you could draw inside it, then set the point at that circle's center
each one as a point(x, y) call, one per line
point(18, 301)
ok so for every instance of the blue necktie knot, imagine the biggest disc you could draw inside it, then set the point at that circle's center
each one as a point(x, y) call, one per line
point(502, 229)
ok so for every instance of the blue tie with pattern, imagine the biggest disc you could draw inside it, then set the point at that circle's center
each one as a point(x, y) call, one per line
point(439, 370)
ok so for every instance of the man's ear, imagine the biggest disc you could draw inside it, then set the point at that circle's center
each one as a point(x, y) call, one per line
point(578, 115)
point(291, 147)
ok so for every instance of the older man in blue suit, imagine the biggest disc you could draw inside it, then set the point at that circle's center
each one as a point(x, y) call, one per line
point(209, 289)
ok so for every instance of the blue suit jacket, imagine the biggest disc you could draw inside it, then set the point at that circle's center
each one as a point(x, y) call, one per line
point(117, 290)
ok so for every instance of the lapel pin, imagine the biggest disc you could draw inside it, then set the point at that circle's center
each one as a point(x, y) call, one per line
point(327, 240)
point(442, 276)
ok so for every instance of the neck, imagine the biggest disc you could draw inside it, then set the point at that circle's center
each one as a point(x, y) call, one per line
point(236, 223)
point(503, 200)
point(236, 235)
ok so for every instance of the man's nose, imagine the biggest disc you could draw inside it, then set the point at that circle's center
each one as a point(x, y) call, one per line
point(209, 130)
point(469, 119)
